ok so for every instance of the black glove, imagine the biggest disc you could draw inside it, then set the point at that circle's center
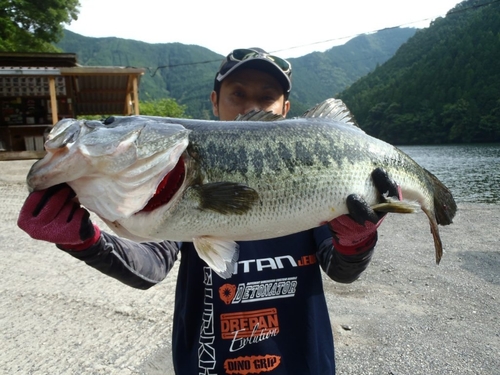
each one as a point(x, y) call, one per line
point(357, 232)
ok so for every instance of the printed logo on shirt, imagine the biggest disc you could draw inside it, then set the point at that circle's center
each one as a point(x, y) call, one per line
point(256, 291)
point(227, 293)
point(251, 364)
point(206, 347)
point(307, 260)
point(275, 263)
point(249, 327)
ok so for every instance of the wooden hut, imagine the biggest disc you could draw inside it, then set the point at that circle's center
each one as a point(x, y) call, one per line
point(39, 89)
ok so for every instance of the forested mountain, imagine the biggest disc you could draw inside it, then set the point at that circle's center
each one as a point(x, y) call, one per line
point(322, 75)
point(188, 78)
point(442, 86)
point(186, 72)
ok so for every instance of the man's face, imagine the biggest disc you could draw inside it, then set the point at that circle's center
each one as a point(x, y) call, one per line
point(248, 89)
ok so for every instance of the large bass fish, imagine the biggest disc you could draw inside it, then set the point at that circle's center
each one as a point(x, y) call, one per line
point(216, 182)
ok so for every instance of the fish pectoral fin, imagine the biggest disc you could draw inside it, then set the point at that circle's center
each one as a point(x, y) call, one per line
point(221, 255)
point(225, 197)
point(396, 206)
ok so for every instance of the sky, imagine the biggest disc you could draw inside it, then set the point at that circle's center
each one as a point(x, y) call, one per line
point(290, 29)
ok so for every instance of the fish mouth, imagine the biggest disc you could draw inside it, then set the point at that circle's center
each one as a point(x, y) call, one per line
point(167, 188)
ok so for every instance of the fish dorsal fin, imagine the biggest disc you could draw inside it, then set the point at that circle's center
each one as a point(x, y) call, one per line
point(333, 109)
point(255, 115)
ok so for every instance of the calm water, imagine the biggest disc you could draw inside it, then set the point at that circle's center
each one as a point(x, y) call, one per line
point(471, 172)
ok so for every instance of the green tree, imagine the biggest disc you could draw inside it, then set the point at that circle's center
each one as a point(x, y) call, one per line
point(32, 25)
point(445, 81)
point(457, 119)
point(166, 107)
point(489, 125)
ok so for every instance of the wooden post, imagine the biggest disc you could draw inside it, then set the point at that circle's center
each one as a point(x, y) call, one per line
point(53, 99)
point(128, 108)
point(136, 95)
point(128, 96)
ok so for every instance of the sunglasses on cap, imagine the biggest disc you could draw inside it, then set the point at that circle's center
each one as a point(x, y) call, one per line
point(243, 54)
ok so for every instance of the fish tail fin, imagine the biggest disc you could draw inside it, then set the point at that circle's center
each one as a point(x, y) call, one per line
point(445, 206)
point(444, 210)
point(438, 245)
point(220, 255)
point(395, 206)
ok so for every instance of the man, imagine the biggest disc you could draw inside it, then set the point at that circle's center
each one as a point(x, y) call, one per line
point(270, 316)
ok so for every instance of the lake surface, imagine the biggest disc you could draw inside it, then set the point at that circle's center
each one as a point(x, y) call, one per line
point(471, 172)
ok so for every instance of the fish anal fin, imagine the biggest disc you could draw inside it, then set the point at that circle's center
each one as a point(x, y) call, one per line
point(221, 255)
point(225, 197)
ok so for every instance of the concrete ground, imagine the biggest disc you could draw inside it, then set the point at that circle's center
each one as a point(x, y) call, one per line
point(404, 316)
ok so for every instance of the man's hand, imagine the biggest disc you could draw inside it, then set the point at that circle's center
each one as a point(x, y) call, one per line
point(357, 232)
point(52, 215)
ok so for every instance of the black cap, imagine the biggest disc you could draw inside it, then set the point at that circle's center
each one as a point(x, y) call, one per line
point(256, 58)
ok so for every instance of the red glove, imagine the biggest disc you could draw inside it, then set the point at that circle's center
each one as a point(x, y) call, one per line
point(357, 232)
point(51, 215)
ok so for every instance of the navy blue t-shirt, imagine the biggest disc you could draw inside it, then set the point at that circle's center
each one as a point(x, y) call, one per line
point(270, 317)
